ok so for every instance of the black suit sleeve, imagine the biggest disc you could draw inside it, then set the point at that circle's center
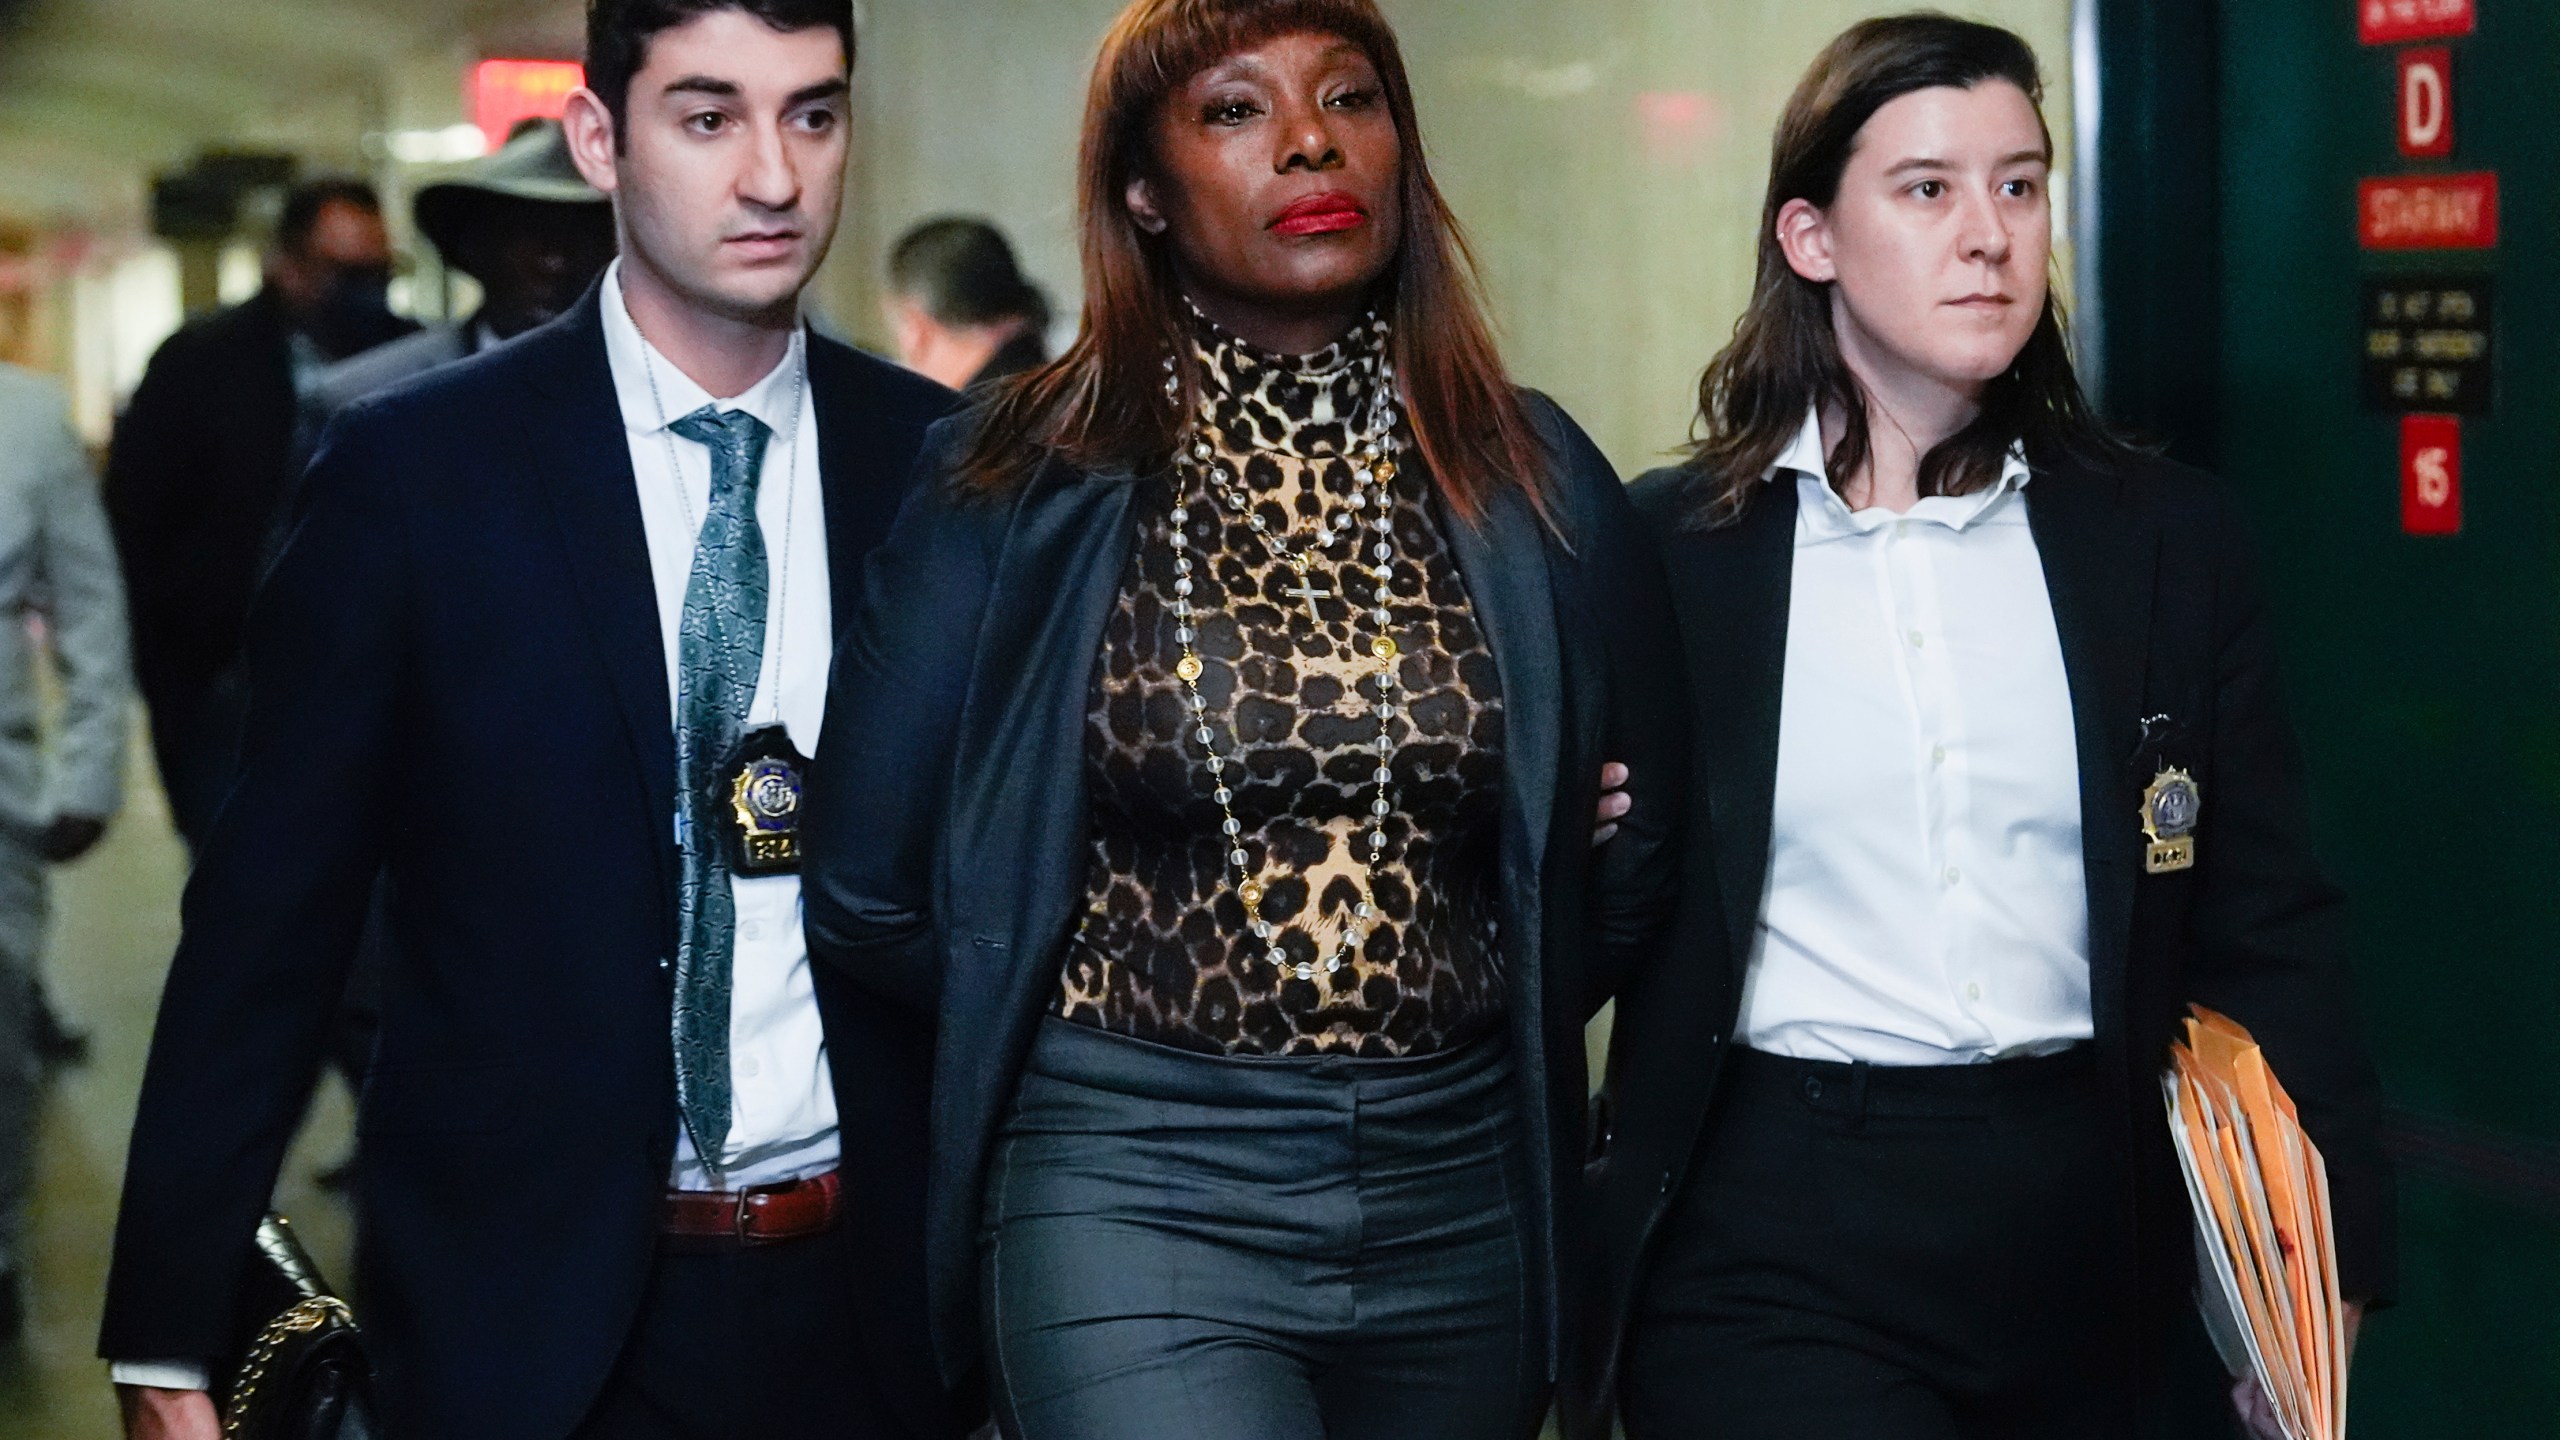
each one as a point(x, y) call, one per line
point(271, 916)
point(1635, 877)
point(155, 491)
point(881, 780)
point(2270, 946)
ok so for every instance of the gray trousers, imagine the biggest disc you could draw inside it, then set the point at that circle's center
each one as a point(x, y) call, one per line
point(23, 916)
point(1260, 1249)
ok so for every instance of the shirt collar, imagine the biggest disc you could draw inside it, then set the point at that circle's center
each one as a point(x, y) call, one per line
point(637, 365)
point(1827, 515)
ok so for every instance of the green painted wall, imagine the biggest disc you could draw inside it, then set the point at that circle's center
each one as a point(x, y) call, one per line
point(2425, 673)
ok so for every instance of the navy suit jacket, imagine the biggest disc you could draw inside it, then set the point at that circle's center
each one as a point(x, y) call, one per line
point(458, 678)
point(947, 831)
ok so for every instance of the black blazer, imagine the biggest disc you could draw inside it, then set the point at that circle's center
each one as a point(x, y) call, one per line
point(947, 828)
point(196, 483)
point(457, 675)
point(2157, 603)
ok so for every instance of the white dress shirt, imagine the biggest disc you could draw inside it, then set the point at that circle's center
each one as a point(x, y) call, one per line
point(782, 1119)
point(1926, 902)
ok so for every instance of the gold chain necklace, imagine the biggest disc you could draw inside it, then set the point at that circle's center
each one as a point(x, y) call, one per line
point(1373, 471)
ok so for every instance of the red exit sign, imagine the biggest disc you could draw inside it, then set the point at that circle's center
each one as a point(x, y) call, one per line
point(506, 93)
point(2391, 22)
point(2428, 212)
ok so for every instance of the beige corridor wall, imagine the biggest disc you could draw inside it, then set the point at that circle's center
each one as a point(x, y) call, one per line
point(1606, 157)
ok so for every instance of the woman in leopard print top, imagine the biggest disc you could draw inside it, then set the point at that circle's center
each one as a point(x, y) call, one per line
point(1163, 951)
point(1256, 910)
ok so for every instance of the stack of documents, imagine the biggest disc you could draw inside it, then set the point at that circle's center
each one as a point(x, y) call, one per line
point(2267, 1264)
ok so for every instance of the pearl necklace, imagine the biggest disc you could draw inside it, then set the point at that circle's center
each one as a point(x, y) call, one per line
point(1373, 468)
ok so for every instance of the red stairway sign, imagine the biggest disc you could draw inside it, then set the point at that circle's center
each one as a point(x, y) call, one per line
point(2428, 212)
point(2392, 22)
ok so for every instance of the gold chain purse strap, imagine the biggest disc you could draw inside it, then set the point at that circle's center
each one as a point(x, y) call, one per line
point(302, 1319)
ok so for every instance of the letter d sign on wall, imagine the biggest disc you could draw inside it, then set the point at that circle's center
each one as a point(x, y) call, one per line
point(2426, 103)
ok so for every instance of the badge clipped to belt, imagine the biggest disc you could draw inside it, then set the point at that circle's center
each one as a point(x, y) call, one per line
point(763, 791)
point(2170, 809)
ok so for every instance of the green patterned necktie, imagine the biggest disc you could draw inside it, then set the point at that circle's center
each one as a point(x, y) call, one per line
point(720, 654)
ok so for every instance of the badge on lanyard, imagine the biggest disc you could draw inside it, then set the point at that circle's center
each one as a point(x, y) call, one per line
point(2170, 809)
point(764, 803)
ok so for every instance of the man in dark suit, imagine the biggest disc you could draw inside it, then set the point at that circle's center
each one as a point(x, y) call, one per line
point(546, 644)
point(202, 465)
point(524, 224)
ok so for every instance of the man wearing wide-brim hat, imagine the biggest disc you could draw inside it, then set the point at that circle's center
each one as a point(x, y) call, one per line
point(521, 222)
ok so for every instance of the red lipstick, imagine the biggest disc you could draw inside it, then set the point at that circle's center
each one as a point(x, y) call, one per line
point(1329, 213)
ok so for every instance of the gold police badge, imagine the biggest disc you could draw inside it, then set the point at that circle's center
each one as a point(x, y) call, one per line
point(2170, 809)
point(764, 804)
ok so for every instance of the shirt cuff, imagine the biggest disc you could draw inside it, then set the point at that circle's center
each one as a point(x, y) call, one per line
point(160, 1374)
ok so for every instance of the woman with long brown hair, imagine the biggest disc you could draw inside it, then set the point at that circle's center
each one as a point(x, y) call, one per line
point(1214, 759)
point(1991, 779)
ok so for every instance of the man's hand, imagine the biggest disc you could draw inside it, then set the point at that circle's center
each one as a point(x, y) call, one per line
point(1614, 803)
point(168, 1414)
point(71, 836)
point(2257, 1412)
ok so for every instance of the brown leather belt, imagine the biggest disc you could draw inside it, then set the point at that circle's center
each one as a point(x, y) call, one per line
point(765, 1215)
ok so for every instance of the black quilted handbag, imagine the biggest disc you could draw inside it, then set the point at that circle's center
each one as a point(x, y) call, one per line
point(298, 1370)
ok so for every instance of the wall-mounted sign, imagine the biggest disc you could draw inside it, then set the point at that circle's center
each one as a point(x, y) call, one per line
point(2393, 22)
point(505, 93)
point(2427, 344)
point(2431, 475)
point(2426, 103)
point(2428, 212)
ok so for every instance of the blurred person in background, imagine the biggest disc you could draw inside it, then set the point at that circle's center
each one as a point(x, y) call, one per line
point(960, 308)
point(204, 459)
point(549, 647)
point(57, 565)
point(524, 224)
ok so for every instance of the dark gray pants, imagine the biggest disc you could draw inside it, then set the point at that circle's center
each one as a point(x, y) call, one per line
point(23, 918)
point(1316, 1249)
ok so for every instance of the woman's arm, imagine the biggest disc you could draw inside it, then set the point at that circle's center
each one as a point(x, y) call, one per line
point(873, 816)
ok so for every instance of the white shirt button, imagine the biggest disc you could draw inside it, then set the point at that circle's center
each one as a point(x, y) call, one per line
point(1937, 754)
point(1918, 639)
point(752, 930)
point(1973, 992)
point(1954, 876)
point(751, 1067)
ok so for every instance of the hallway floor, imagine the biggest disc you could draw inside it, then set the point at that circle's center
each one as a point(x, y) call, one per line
point(115, 923)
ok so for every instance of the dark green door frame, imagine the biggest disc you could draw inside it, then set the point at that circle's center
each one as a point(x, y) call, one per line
point(2153, 331)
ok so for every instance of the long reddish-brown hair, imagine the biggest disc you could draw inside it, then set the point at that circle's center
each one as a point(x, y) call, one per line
point(1102, 403)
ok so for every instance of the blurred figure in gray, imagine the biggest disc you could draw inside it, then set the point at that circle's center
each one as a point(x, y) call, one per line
point(960, 308)
point(56, 564)
point(522, 223)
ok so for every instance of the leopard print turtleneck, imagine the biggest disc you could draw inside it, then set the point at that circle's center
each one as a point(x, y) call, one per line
point(1164, 951)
